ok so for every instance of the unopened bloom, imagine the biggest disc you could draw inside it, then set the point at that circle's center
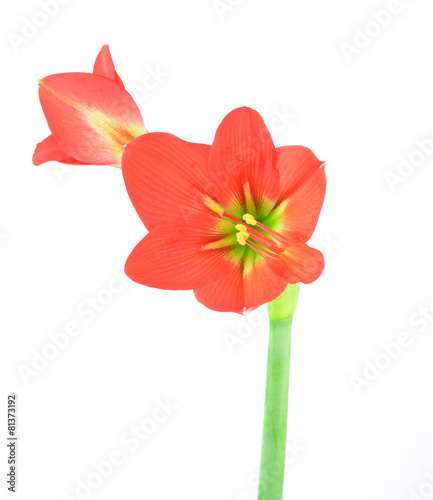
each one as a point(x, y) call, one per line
point(91, 116)
point(231, 220)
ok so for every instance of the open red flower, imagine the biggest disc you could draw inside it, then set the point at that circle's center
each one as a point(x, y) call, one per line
point(91, 116)
point(231, 220)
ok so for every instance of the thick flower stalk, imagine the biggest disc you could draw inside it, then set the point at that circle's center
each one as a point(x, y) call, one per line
point(229, 221)
point(91, 116)
point(272, 464)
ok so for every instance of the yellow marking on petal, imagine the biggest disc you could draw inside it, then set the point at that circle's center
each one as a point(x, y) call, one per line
point(249, 260)
point(250, 219)
point(249, 199)
point(100, 121)
point(237, 252)
point(224, 227)
point(275, 219)
point(227, 241)
point(213, 205)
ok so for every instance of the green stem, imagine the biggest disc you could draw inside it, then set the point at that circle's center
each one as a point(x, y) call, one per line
point(281, 311)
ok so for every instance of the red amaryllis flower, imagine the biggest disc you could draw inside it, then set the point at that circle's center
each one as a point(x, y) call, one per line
point(231, 220)
point(91, 116)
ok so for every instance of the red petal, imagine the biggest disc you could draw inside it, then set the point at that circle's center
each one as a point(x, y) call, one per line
point(242, 160)
point(171, 256)
point(303, 186)
point(49, 150)
point(90, 116)
point(165, 177)
point(299, 263)
point(236, 292)
point(104, 66)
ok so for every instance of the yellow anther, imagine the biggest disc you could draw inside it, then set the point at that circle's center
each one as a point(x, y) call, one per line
point(243, 234)
point(241, 227)
point(250, 219)
point(242, 237)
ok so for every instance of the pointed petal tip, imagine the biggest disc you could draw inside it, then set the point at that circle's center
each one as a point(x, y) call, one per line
point(105, 51)
point(35, 158)
point(38, 157)
point(104, 65)
point(323, 164)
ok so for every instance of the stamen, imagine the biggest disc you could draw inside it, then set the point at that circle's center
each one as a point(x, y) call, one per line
point(258, 236)
point(263, 252)
point(274, 234)
point(242, 237)
point(267, 243)
point(241, 227)
point(250, 219)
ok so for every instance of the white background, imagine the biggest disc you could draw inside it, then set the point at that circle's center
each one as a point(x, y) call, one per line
point(65, 232)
